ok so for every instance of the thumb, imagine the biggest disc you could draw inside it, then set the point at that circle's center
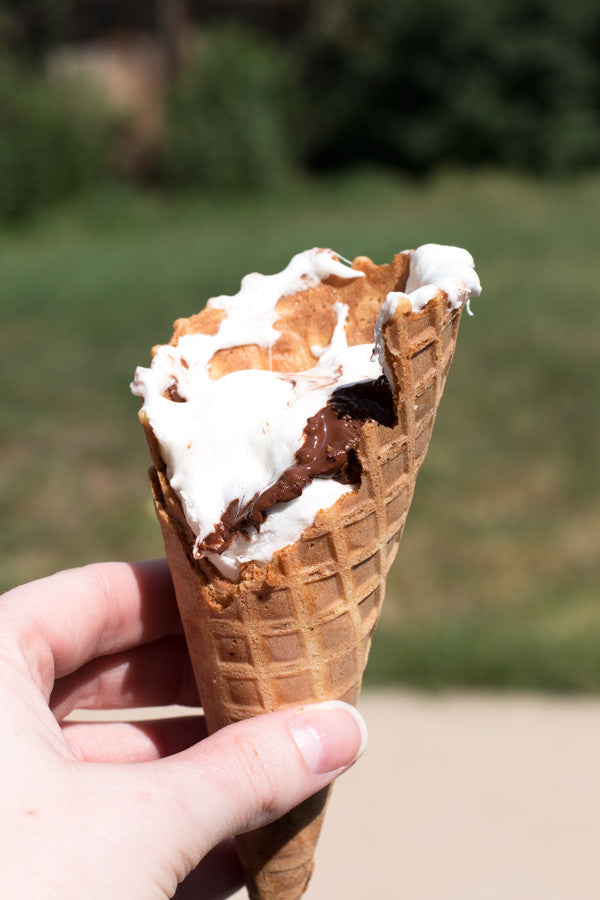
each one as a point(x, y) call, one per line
point(253, 772)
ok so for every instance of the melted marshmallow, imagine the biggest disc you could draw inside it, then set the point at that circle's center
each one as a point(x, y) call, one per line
point(433, 267)
point(235, 435)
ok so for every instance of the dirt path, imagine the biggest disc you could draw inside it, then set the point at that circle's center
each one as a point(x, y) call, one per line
point(467, 797)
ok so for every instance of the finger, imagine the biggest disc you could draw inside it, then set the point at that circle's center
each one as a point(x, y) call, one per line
point(67, 619)
point(132, 742)
point(155, 674)
point(253, 772)
point(218, 876)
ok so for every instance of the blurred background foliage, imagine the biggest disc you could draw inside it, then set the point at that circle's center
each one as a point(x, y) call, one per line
point(242, 91)
point(153, 153)
point(40, 126)
point(244, 99)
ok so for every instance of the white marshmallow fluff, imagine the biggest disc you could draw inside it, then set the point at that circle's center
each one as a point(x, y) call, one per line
point(235, 435)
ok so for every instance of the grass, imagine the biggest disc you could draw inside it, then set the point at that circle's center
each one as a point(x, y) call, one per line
point(497, 575)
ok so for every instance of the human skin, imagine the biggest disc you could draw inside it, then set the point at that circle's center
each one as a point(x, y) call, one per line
point(132, 810)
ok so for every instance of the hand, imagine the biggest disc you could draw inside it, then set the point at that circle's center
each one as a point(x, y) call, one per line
point(126, 810)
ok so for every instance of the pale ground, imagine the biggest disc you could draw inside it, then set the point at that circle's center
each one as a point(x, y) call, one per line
point(467, 797)
point(464, 797)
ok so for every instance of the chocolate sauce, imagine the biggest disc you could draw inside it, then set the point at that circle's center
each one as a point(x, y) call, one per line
point(366, 400)
point(173, 392)
point(331, 437)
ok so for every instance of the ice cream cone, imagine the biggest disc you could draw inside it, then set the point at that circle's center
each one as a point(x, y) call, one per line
point(299, 629)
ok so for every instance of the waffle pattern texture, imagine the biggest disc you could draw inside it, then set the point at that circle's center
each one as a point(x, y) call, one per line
point(299, 629)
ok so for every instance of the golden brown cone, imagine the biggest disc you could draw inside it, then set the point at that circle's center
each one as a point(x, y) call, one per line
point(299, 629)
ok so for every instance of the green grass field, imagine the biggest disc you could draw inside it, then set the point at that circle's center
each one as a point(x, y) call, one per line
point(496, 581)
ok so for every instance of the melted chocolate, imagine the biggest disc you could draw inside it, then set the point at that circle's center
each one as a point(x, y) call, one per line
point(366, 400)
point(331, 437)
point(173, 392)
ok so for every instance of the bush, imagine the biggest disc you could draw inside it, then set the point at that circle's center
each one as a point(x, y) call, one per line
point(48, 150)
point(506, 82)
point(230, 117)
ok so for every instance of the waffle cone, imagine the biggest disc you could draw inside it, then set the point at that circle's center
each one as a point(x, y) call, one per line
point(299, 629)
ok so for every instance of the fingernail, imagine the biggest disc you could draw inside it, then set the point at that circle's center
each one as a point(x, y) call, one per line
point(330, 735)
